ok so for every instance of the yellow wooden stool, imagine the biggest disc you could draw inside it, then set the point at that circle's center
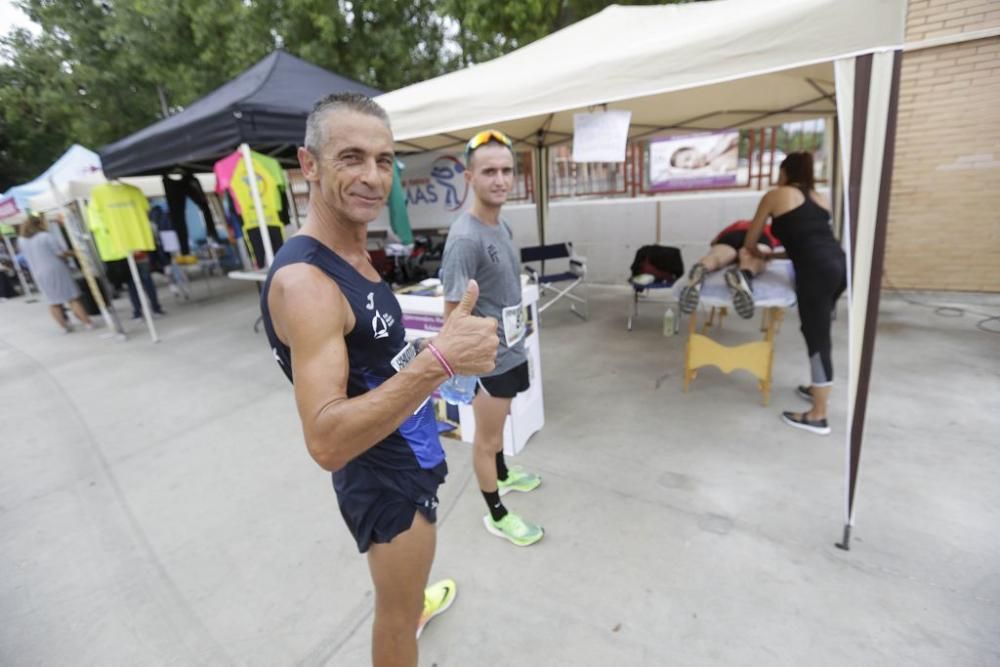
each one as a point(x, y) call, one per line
point(756, 357)
point(773, 292)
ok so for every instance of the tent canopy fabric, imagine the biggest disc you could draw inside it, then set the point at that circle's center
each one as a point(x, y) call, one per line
point(77, 162)
point(265, 106)
point(677, 68)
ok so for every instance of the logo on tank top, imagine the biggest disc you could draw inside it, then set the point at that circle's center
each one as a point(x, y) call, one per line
point(371, 301)
point(381, 324)
point(277, 357)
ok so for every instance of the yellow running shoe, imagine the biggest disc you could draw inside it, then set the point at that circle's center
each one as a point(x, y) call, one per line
point(437, 598)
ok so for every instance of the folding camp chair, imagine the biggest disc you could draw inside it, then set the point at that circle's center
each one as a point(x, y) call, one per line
point(639, 293)
point(558, 285)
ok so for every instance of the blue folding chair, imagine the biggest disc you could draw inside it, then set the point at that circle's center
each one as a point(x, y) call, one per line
point(558, 285)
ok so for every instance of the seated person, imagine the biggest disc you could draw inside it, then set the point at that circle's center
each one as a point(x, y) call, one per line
point(726, 249)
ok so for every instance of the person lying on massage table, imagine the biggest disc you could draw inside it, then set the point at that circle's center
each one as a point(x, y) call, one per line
point(727, 251)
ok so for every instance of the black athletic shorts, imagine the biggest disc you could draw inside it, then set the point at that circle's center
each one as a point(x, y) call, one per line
point(735, 239)
point(508, 384)
point(378, 503)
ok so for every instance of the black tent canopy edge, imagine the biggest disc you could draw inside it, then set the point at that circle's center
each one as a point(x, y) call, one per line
point(266, 107)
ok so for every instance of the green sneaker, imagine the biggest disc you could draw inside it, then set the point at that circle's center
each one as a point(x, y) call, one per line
point(514, 529)
point(518, 480)
point(437, 598)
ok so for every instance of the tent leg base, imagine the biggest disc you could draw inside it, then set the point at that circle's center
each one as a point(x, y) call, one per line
point(845, 544)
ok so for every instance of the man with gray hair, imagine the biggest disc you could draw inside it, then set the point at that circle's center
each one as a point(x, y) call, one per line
point(336, 330)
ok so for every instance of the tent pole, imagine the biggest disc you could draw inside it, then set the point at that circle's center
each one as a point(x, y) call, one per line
point(17, 269)
point(845, 543)
point(99, 273)
point(888, 66)
point(835, 181)
point(869, 123)
point(541, 158)
point(85, 260)
point(258, 205)
point(293, 209)
point(141, 290)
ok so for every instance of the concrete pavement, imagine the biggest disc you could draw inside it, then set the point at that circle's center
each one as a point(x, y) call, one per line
point(158, 507)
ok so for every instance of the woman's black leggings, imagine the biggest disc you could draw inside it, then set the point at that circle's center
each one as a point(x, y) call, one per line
point(817, 290)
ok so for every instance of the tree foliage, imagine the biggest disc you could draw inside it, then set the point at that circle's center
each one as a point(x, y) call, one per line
point(101, 69)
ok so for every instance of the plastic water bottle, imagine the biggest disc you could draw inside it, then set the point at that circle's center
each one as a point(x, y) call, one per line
point(459, 389)
point(669, 325)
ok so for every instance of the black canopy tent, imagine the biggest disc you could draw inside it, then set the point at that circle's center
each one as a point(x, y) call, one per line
point(265, 106)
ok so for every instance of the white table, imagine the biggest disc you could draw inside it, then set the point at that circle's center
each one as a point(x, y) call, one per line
point(256, 276)
point(423, 316)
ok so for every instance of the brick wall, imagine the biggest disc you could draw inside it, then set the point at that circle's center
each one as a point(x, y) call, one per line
point(936, 18)
point(944, 215)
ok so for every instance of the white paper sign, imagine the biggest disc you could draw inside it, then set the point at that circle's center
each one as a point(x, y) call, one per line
point(600, 137)
point(169, 241)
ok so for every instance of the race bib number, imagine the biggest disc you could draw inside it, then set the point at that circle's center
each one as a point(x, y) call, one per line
point(403, 359)
point(514, 324)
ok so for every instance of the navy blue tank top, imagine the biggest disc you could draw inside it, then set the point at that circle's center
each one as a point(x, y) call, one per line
point(376, 350)
point(806, 234)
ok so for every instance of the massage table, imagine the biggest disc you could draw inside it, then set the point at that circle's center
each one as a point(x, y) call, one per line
point(773, 290)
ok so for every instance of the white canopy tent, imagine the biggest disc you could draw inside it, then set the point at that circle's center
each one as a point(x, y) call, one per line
point(76, 162)
point(703, 66)
point(707, 65)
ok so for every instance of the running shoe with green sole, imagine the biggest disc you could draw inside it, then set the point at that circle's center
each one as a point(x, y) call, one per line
point(518, 479)
point(437, 598)
point(514, 529)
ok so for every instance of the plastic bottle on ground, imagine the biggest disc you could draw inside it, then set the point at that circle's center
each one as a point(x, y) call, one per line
point(669, 325)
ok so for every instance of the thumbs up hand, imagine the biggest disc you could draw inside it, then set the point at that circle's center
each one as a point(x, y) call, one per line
point(469, 343)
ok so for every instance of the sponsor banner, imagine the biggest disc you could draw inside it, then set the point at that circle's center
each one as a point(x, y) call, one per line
point(8, 208)
point(422, 322)
point(694, 161)
point(435, 188)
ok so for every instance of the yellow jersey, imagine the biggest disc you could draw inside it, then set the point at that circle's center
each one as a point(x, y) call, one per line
point(119, 220)
point(266, 186)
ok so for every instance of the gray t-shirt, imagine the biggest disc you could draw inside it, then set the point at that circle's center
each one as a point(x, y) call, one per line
point(487, 254)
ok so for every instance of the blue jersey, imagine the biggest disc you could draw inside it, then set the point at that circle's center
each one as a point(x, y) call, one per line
point(376, 350)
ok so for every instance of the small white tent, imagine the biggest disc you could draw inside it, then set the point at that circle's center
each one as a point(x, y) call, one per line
point(77, 162)
point(702, 66)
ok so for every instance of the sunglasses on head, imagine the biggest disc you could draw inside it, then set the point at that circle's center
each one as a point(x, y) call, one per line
point(485, 137)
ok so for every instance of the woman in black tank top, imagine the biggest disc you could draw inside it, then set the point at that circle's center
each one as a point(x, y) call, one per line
point(820, 277)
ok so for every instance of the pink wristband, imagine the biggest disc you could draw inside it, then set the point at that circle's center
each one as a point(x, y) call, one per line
point(440, 357)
